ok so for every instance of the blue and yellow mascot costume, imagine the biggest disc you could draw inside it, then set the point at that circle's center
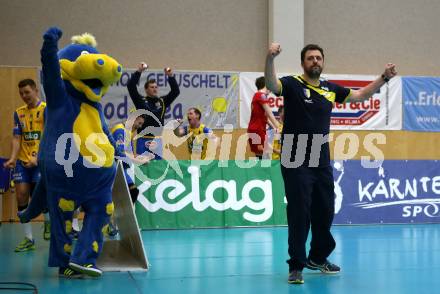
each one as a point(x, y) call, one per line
point(77, 151)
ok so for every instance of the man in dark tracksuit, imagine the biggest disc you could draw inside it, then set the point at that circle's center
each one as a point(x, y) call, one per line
point(305, 156)
point(154, 104)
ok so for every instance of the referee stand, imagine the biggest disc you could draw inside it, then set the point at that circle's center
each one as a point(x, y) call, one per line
point(127, 253)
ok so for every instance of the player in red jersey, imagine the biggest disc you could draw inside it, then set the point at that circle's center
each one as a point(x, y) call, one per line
point(261, 115)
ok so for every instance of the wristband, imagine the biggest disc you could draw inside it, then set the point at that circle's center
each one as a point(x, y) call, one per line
point(385, 78)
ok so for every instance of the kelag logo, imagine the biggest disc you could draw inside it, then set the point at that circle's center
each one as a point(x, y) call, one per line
point(217, 200)
point(354, 113)
point(237, 198)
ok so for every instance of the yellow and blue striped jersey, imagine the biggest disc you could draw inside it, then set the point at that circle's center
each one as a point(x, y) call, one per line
point(122, 138)
point(198, 141)
point(277, 143)
point(29, 124)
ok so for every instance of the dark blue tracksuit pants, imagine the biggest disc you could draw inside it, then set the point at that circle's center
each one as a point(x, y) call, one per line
point(310, 204)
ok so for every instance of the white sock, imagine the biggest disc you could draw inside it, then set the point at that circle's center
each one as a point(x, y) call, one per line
point(75, 224)
point(46, 217)
point(28, 231)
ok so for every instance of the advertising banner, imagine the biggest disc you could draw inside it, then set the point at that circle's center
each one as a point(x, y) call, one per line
point(234, 193)
point(421, 104)
point(247, 91)
point(382, 111)
point(217, 194)
point(215, 94)
point(397, 191)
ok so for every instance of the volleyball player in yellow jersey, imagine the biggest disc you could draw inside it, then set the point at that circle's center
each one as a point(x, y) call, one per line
point(276, 145)
point(27, 132)
point(199, 134)
point(124, 142)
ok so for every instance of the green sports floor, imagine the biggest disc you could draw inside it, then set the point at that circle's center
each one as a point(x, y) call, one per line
point(374, 259)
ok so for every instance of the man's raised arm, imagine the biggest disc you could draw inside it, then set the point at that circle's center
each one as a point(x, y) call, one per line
point(367, 91)
point(272, 83)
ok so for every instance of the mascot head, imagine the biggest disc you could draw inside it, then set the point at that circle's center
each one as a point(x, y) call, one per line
point(89, 72)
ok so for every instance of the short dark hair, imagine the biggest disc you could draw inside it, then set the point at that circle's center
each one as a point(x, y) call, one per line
point(310, 47)
point(197, 111)
point(140, 116)
point(27, 82)
point(260, 83)
point(150, 81)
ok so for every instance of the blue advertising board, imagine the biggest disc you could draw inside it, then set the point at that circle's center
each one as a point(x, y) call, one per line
point(397, 191)
point(421, 103)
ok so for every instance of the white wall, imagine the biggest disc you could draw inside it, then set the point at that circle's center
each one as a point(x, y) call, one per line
point(185, 34)
point(358, 36)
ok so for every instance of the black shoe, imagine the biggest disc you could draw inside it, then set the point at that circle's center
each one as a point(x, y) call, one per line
point(69, 273)
point(295, 277)
point(112, 230)
point(327, 267)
